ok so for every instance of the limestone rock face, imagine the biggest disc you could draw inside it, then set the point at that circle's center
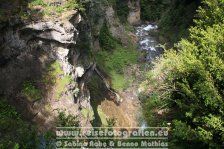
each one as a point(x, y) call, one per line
point(134, 12)
point(27, 50)
point(62, 56)
point(79, 71)
point(63, 32)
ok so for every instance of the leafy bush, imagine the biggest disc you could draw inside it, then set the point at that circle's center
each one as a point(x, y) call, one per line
point(176, 19)
point(67, 120)
point(190, 84)
point(30, 91)
point(122, 10)
point(15, 133)
point(106, 40)
point(151, 10)
point(54, 9)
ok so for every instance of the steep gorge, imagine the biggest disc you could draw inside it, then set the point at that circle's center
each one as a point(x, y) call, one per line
point(47, 60)
point(82, 63)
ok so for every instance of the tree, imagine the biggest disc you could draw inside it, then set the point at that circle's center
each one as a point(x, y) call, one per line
point(196, 102)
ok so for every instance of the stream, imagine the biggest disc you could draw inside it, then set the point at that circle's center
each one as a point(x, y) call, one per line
point(129, 112)
point(147, 42)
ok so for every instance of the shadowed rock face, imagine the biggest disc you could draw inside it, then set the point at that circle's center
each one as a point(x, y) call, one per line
point(134, 12)
point(28, 48)
point(26, 51)
point(23, 46)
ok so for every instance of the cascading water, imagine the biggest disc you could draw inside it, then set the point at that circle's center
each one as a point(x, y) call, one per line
point(148, 44)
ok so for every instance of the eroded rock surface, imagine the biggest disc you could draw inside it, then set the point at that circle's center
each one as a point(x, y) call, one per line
point(134, 12)
point(27, 51)
point(62, 32)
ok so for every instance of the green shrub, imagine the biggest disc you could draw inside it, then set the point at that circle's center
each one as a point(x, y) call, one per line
point(122, 10)
point(49, 10)
point(106, 40)
point(190, 84)
point(176, 19)
point(15, 133)
point(37, 2)
point(67, 120)
point(30, 91)
point(151, 10)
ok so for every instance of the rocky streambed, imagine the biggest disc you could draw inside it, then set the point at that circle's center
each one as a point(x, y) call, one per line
point(147, 41)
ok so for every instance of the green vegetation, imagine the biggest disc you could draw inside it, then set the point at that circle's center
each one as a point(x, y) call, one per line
point(106, 40)
point(114, 62)
point(30, 91)
point(118, 81)
point(187, 87)
point(37, 2)
point(67, 120)
point(173, 17)
point(152, 10)
point(121, 9)
point(55, 76)
point(103, 117)
point(117, 59)
point(51, 9)
point(114, 57)
point(37, 9)
point(88, 114)
point(15, 132)
point(177, 18)
point(54, 71)
point(60, 86)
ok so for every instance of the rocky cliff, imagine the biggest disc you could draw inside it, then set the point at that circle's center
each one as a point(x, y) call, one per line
point(134, 12)
point(44, 57)
point(40, 67)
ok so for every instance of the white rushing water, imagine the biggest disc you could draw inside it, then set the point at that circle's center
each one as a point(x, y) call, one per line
point(147, 42)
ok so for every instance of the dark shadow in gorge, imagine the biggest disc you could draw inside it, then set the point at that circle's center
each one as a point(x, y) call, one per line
point(15, 70)
point(99, 92)
point(23, 56)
